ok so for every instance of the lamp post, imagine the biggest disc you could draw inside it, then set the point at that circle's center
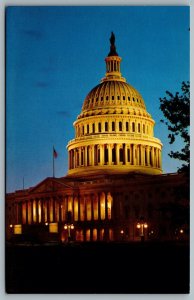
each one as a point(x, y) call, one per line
point(69, 227)
point(142, 225)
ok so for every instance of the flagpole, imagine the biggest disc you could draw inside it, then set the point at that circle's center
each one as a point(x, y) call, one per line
point(53, 164)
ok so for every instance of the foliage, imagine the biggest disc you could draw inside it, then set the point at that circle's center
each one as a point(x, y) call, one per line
point(176, 110)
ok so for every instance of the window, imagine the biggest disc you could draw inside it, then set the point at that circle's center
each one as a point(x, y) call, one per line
point(129, 98)
point(133, 127)
point(118, 97)
point(138, 127)
point(123, 97)
point(106, 126)
point(127, 126)
point(101, 98)
point(120, 126)
point(93, 128)
point(106, 97)
point(143, 128)
point(113, 126)
point(112, 97)
point(133, 99)
point(88, 129)
point(99, 127)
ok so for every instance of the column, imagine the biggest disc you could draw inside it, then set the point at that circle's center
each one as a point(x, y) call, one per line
point(101, 155)
point(148, 155)
point(110, 146)
point(60, 208)
point(157, 158)
point(27, 221)
point(80, 154)
point(134, 158)
point(66, 207)
point(152, 156)
point(99, 213)
point(160, 158)
point(92, 155)
point(85, 156)
point(137, 154)
point(78, 199)
point(74, 158)
point(92, 207)
point(125, 154)
point(37, 217)
point(117, 154)
point(42, 210)
point(142, 156)
point(69, 159)
point(47, 210)
point(106, 207)
point(32, 211)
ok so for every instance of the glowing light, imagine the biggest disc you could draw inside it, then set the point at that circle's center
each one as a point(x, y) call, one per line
point(46, 223)
point(11, 226)
point(181, 231)
point(72, 226)
point(65, 227)
point(18, 229)
point(145, 225)
point(138, 225)
point(53, 227)
point(121, 231)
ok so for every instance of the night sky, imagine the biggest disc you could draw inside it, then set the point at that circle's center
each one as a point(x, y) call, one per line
point(55, 56)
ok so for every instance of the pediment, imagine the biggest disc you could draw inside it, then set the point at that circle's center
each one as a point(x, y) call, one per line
point(50, 185)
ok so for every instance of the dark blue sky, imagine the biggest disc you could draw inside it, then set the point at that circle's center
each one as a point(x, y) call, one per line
point(55, 56)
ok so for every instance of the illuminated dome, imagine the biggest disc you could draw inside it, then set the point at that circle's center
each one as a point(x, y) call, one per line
point(114, 132)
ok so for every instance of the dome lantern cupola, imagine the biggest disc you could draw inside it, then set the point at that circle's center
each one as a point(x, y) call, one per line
point(113, 63)
point(114, 133)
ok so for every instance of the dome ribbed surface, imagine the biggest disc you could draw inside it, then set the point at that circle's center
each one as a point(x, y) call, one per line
point(111, 93)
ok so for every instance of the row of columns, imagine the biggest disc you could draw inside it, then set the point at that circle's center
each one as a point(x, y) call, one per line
point(83, 208)
point(112, 66)
point(114, 126)
point(109, 154)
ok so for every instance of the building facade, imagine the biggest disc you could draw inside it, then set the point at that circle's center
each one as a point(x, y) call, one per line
point(114, 189)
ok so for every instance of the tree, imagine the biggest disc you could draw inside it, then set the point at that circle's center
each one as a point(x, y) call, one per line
point(176, 110)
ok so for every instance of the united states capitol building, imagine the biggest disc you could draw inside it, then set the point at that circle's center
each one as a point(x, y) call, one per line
point(114, 189)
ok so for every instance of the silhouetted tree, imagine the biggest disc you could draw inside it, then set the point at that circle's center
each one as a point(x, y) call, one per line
point(176, 110)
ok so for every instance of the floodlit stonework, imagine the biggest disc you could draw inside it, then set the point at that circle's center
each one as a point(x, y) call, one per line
point(114, 189)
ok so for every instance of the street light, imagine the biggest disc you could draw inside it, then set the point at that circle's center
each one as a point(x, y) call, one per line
point(142, 225)
point(69, 227)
